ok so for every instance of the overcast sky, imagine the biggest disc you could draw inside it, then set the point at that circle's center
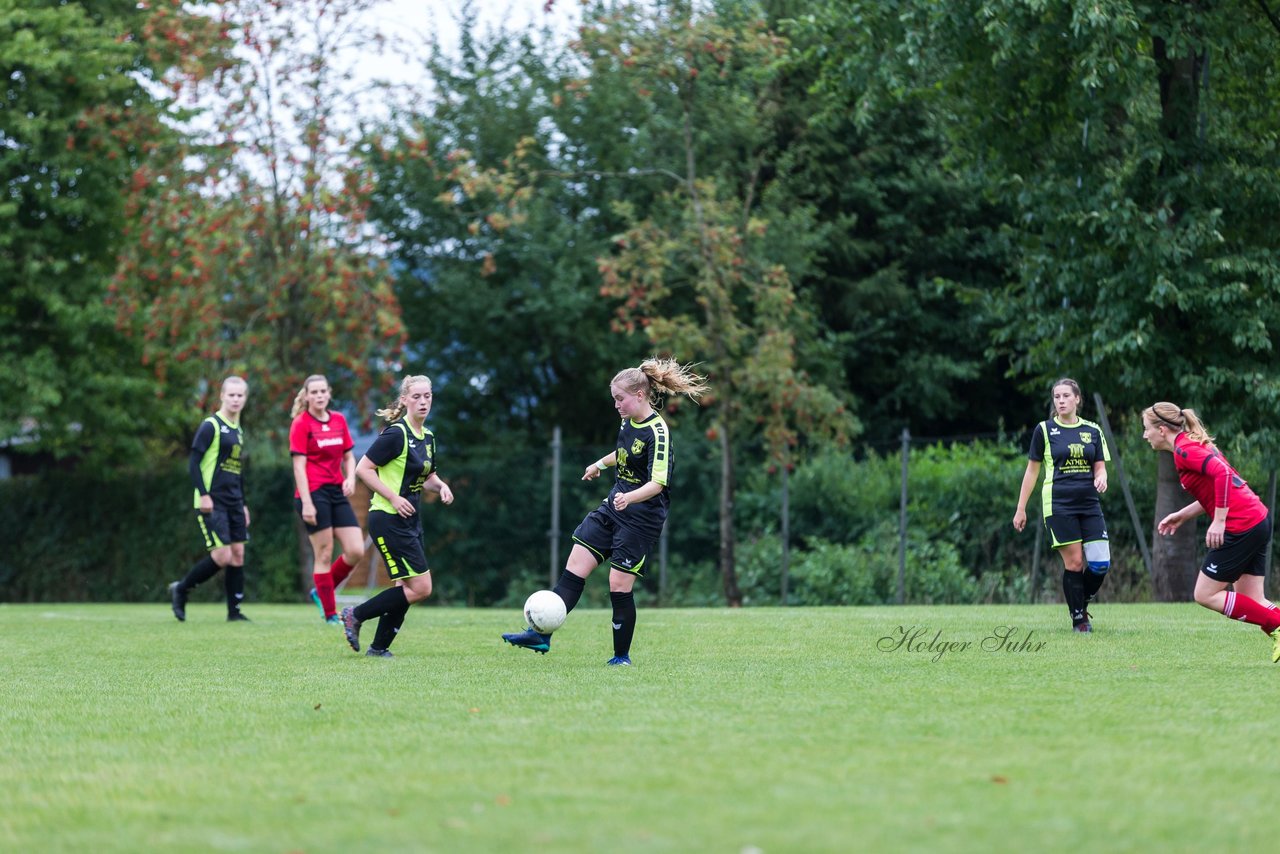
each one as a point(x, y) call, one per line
point(413, 20)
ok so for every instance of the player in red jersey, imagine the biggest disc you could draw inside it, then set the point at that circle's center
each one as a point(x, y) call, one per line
point(1240, 528)
point(324, 474)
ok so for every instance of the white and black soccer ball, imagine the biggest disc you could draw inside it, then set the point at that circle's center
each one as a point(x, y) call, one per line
point(544, 611)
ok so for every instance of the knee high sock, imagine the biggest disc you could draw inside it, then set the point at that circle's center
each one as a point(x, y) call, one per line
point(624, 621)
point(1241, 607)
point(1073, 591)
point(392, 599)
point(389, 626)
point(233, 580)
point(339, 569)
point(323, 582)
point(1092, 582)
point(203, 570)
point(569, 588)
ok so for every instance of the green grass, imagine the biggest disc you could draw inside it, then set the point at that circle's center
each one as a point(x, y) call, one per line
point(769, 729)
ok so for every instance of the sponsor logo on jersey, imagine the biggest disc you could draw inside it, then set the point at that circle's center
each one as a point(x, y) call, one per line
point(324, 443)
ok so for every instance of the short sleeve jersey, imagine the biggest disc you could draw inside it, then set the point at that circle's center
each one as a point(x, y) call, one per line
point(1212, 481)
point(1068, 454)
point(323, 443)
point(644, 454)
point(404, 459)
point(220, 447)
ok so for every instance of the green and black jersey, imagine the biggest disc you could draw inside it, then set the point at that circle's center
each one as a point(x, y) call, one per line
point(404, 459)
point(643, 454)
point(216, 456)
point(1068, 454)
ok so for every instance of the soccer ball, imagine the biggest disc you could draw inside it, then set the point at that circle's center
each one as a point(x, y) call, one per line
point(545, 611)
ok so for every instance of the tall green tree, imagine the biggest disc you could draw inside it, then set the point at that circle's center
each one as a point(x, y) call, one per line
point(498, 283)
point(1134, 147)
point(707, 269)
point(78, 117)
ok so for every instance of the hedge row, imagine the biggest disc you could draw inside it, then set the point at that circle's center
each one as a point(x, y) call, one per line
point(99, 536)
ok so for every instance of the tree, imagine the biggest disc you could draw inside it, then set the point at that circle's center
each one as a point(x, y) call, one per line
point(78, 119)
point(251, 249)
point(503, 265)
point(1143, 198)
point(706, 269)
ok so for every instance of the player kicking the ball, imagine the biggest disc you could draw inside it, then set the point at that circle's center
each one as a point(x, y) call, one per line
point(627, 524)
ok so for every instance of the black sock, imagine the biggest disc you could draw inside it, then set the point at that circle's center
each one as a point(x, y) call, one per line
point(386, 602)
point(1073, 590)
point(624, 621)
point(389, 626)
point(569, 588)
point(1093, 582)
point(233, 581)
point(204, 569)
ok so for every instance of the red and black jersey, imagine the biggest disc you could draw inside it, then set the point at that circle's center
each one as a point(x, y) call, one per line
point(323, 443)
point(1211, 480)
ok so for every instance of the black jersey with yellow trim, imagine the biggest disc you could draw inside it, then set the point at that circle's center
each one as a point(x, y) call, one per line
point(643, 454)
point(1068, 452)
point(216, 461)
point(404, 459)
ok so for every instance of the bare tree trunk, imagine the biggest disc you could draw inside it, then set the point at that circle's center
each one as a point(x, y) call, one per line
point(728, 573)
point(1173, 569)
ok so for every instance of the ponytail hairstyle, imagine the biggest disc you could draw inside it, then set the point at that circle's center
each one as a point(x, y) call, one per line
point(397, 409)
point(1071, 384)
point(300, 400)
point(1185, 420)
point(661, 377)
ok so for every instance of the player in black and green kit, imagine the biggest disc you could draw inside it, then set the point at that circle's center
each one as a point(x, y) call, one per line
point(399, 465)
point(1074, 453)
point(627, 524)
point(216, 458)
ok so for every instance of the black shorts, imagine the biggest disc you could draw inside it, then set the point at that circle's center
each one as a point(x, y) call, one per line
point(1068, 528)
point(333, 510)
point(625, 548)
point(399, 544)
point(1240, 554)
point(223, 527)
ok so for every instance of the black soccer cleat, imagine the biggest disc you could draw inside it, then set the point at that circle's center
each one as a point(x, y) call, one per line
point(351, 627)
point(374, 652)
point(237, 617)
point(178, 598)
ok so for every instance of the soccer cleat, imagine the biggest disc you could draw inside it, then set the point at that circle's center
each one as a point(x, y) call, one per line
point(237, 617)
point(379, 653)
point(178, 598)
point(333, 620)
point(1275, 648)
point(351, 627)
point(315, 597)
point(619, 661)
point(1083, 628)
point(529, 639)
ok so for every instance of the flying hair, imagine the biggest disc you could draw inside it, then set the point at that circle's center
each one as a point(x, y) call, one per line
point(661, 377)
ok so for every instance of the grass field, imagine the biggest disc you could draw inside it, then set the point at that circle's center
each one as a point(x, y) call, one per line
point(736, 731)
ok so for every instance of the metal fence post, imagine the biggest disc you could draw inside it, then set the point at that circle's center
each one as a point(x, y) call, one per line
point(902, 521)
point(786, 535)
point(553, 534)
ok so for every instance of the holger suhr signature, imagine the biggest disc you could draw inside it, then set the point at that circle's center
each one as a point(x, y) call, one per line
point(922, 639)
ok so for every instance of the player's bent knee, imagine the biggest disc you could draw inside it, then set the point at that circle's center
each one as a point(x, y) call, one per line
point(1097, 556)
